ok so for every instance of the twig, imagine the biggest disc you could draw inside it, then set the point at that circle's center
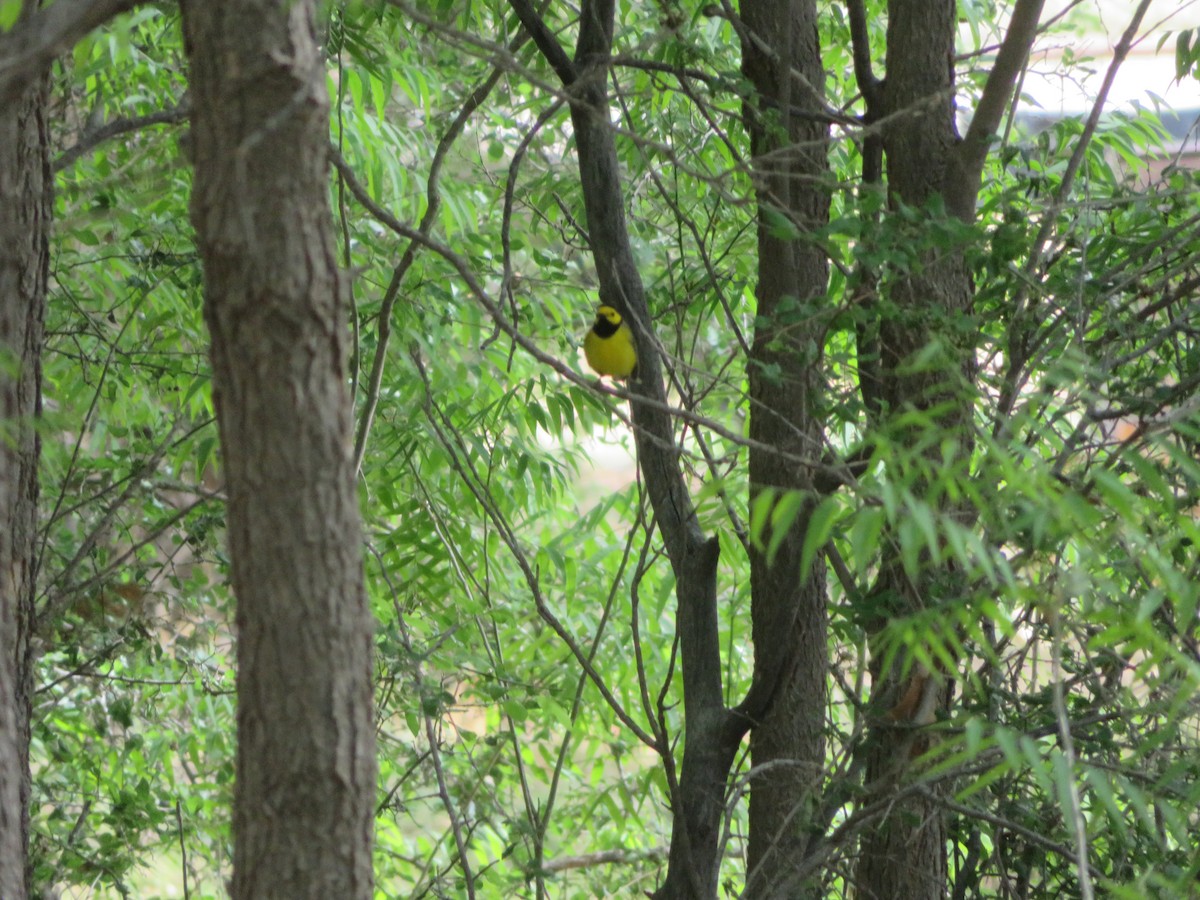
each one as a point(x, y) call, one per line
point(1008, 824)
point(187, 893)
point(433, 202)
point(1063, 720)
point(55, 603)
point(437, 422)
point(602, 857)
point(431, 736)
point(1019, 350)
point(541, 822)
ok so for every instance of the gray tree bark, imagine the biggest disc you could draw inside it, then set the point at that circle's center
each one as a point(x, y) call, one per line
point(304, 798)
point(903, 852)
point(25, 213)
point(789, 142)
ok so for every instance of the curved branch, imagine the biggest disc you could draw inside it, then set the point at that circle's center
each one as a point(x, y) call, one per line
point(433, 203)
point(860, 41)
point(829, 472)
point(37, 40)
point(94, 137)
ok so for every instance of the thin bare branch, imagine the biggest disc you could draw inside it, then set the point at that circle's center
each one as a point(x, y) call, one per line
point(433, 203)
point(431, 735)
point(440, 425)
point(1022, 338)
point(94, 137)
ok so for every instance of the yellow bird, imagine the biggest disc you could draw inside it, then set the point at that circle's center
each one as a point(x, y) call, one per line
point(609, 346)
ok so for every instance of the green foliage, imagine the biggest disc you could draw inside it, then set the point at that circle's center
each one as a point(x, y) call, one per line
point(508, 539)
point(1187, 52)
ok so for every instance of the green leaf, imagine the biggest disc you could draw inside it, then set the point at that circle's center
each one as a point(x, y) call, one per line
point(819, 530)
point(864, 536)
point(783, 516)
point(760, 514)
point(1183, 54)
point(9, 10)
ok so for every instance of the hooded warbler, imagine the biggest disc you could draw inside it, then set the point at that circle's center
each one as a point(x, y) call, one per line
point(609, 346)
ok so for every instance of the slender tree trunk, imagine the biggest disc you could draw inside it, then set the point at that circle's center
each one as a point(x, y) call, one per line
point(303, 805)
point(25, 211)
point(713, 731)
point(782, 58)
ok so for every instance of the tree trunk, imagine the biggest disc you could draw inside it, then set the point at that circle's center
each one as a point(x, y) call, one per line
point(904, 854)
point(304, 798)
point(789, 142)
point(713, 731)
point(25, 211)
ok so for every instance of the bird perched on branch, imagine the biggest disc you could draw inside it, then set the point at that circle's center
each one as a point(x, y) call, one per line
point(609, 346)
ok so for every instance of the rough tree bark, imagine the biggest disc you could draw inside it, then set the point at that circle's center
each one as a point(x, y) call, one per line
point(25, 212)
point(789, 140)
point(303, 805)
point(904, 853)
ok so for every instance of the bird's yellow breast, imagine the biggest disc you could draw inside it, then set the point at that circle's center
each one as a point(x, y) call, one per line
point(612, 353)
